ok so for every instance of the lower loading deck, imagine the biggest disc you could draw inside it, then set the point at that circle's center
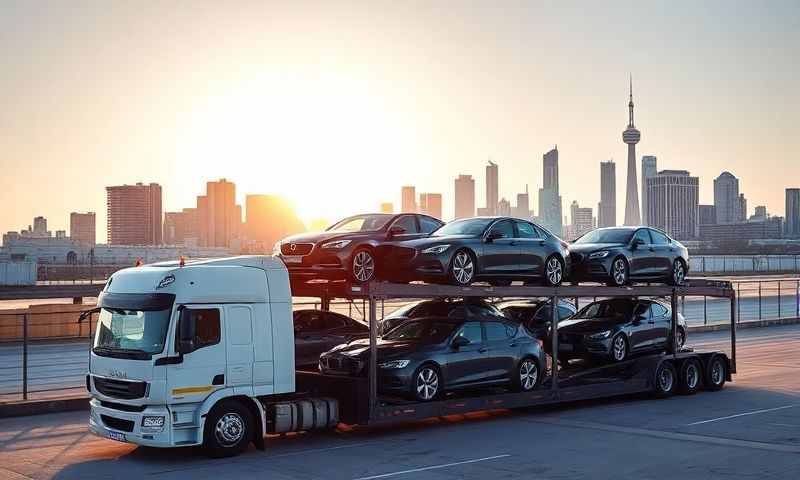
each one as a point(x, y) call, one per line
point(575, 383)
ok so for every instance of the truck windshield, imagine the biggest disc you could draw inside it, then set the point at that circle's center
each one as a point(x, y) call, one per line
point(131, 333)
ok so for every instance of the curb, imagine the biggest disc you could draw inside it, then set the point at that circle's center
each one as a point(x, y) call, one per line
point(39, 407)
point(748, 324)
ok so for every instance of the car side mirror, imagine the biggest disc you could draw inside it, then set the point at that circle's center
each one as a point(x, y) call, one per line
point(396, 230)
point(460, 342)
point(637, 242)
point(493, 235)
point(186, 332)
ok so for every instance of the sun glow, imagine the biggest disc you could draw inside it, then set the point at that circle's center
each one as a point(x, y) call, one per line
point(320, 141)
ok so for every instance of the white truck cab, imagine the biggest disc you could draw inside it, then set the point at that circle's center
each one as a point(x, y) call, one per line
point(187, 353)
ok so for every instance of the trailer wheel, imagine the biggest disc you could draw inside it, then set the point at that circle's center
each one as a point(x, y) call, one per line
point(716, 372)
point(228, 429)
point(691, 376)
point(527, 375)
point(666, 379)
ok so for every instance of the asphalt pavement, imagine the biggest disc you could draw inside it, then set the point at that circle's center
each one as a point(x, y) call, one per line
point(750, 429)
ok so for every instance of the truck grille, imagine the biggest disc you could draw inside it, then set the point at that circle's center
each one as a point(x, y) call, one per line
point(124, 389)
point(299, 248)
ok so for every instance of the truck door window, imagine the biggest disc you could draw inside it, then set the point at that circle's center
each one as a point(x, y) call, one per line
point(206, 326)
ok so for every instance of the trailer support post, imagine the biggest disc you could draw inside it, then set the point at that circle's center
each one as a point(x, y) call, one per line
point(733, 331)
point(554, 339)
point(373, 356)
point(674, 323)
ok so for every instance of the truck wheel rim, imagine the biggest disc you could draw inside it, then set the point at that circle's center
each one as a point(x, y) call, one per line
point(619, 348)
point(716, 373)
point(678, 274)
point(363, 266)
point(665, 379)
point(463, 268)
point(692, 376)
point(528, 374)
point(229, 429)
point(427, 384)
point(619, 272)
point(554, 271)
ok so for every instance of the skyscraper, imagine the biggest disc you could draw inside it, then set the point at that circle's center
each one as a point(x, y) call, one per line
point(523, 207)
point(134, 214)
point(504, 207)
point(82, 227)
point(726, 198)
point(649, 169)
point(269, 219)
point(40, 227)
point(707, 214)
point(581, 219)
point(672, 202)
point(607, 208)
point(408, 199)
point(431, 204)
point(631, 137)
point(549, 199)
point(219, 218)
point(465, 197)
point(492, 188)
point(792, 225)
point(180, 228)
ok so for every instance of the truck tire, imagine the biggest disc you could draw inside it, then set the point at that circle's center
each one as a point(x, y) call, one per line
point(690, 376)
point(666, 379)
point(228, 429)
point(716, 373)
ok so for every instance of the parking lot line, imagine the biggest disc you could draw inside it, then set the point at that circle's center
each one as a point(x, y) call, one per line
point(754, 412)
point(434, 467)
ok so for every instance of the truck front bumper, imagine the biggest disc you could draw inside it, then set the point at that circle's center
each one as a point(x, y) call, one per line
point(128, 426)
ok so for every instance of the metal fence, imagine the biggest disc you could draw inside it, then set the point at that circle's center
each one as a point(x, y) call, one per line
point(48, 359)
point(743, 264)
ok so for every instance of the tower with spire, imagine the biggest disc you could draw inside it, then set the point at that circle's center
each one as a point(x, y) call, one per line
point(631, 137)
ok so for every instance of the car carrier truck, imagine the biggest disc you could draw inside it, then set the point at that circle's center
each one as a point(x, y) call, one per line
point(202, 353)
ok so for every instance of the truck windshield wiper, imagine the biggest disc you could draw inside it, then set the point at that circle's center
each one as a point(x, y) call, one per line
point(122, 352)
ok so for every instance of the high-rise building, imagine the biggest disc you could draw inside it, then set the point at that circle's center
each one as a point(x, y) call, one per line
point(523, 207)
point(40, 227)
point(492, 188)
point(741, 208)
point(549, 199)
point(581, 219)
point(672, 202)
point(408, 199)
point(760, 214)
point(82, 228)
point(707, 215)
point(726, 198)
point(465, 197)
point(134, 214)
point(181, 228)
point(387, 207)
point(504, 207)
point(607, 208)
point(431, 204)
point(649, 169)
point(768, 229)
point(219, 218)
point(792, 223)
point(269, 219)
point(631, 137)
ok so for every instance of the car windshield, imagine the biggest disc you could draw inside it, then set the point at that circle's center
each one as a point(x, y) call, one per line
point(607, 235)
point(615, 308)
point(425, 331)
point(467, 226)
point(361, 223)
point(131, 332)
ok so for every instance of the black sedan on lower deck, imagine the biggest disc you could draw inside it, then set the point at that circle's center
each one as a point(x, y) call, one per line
point(451, 308)
point(425, 357)
point(620, 255)
point(535, 315)
point(497, 250)
point(317, 331)
point(617, 328)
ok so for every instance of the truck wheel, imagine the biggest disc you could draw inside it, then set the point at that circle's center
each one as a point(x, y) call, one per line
point(527, 375)
point(691, 376)
point(228, 429)
point(716, 373)
point(666, 379)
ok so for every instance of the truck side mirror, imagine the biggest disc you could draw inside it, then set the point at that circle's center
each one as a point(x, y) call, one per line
point(186, 332)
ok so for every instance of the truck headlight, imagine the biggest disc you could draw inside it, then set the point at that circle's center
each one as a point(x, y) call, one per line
point(336, 245)
point(436, 250)
point(153, 422)
point(600, 254)
point(395, 364)
point(600, 335)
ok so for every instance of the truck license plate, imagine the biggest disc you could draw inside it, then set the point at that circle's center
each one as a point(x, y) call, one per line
point(292, 259)
point(120, 437)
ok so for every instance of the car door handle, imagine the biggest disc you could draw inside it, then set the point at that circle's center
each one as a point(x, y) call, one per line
point(483, 350)
point(513, 344)
point(512, 243)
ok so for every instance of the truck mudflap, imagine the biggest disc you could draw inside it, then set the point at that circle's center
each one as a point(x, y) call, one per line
point(300, 415)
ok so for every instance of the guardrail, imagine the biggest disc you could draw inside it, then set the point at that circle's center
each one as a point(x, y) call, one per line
point(47, 358)
point(743, 264)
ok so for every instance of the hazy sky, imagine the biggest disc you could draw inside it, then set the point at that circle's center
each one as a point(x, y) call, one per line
point(337, 104)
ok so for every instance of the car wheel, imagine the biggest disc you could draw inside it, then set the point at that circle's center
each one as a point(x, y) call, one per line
point(678, 275)
point(619, 273)
point(619, 348)
point(426, 384)
point(554, 271)
point(716, 373)
point(462, 268)
point(691, 376)
point(228, 430)
point(362, 266)
point(665, 379)
point(527, 375)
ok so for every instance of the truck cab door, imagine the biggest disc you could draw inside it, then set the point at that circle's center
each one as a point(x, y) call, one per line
point(239, 346)
point(200, 341)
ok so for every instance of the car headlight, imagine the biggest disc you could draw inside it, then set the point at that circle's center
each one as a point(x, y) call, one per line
point(395, 364)
point(337, 244)
point(276, 249)
point(600, 254)
point(601, 334)
point(436, 250)
point(153, 422)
